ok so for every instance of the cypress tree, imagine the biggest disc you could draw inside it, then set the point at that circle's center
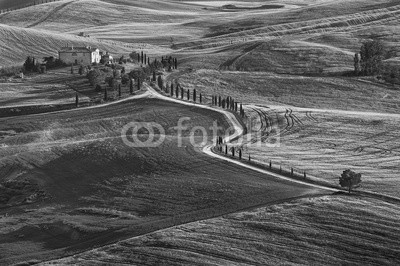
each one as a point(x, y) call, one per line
point(154, 76)
point(201, 98)
point(177, 90)
point(182, 93)
point(188, 95)
point(138, 58)
point(80, 70)
point(227, 102)
point(233, 151)
point(240, 154)
point(131, 87)
point(226, 149)
point(194, 95)
point(160, 82)
point(145, 59)
point(236, 108)
point(141, 58)
point(172, 88)
point(76, 99)
point(219, 101)
point(119, 90)
point(138, 84)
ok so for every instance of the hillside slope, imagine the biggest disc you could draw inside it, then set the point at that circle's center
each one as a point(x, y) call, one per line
point(17, 43)
point(67, 15)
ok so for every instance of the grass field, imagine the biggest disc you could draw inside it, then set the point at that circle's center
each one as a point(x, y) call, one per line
point(319, 231)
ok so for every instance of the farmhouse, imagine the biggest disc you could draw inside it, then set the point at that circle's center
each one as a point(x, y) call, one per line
point(79, 55)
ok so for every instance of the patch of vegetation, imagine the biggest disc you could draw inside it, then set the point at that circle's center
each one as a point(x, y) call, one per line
point(233, 7)
point(10, 71)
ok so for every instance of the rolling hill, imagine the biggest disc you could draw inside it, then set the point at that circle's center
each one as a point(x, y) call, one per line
point(17, 43)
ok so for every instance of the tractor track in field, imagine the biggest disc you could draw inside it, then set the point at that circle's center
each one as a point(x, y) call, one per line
point(48, 15)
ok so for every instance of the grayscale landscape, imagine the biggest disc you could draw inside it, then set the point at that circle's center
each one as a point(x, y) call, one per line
point(189, 132)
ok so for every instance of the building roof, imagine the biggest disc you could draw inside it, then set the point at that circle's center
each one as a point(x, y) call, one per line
point(72, 49)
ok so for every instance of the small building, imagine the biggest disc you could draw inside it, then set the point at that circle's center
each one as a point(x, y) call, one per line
point(79, 55)
point(107, 58)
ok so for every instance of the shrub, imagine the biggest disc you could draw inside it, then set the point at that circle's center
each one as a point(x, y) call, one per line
point(95, 76)
point(10, 71)
point(125, 79)
point(52, 62)
point(98, 87)
point(133, 55)
point(112, 82)
point(391, 74)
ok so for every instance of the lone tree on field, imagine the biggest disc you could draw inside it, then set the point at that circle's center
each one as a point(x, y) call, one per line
point(371, 53)
point(349, 179)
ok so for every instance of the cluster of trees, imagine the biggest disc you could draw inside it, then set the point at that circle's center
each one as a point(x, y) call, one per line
point(141, 57)
point(228, 103)
point(369, 60)
point(169, 63)
point(31, 64)
point(51, 62)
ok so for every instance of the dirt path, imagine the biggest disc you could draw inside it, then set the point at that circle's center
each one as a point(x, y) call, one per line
point(238, 132)
point(46, 16)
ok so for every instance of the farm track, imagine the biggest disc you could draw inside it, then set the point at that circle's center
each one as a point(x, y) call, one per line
point(48, 15)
